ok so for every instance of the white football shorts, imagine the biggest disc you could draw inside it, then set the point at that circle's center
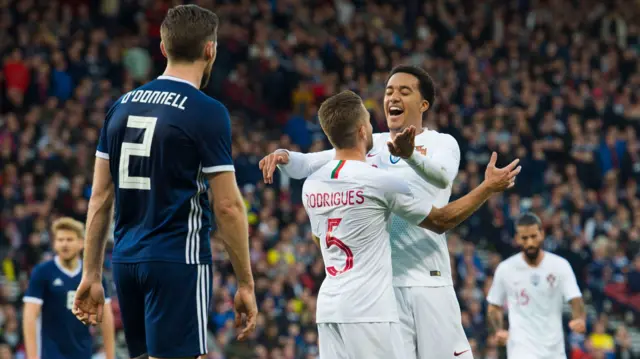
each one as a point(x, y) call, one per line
point(360, 341)
point(431, 323)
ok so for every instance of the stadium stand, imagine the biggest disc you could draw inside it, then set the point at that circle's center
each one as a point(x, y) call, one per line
point(555, 83)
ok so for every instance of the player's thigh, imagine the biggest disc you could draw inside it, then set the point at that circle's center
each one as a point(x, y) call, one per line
point(131, 299)
point(177, 305)
point(519, 352)
point(439, 331)
point(330, 343)
point(371, 340)
point(406, 329)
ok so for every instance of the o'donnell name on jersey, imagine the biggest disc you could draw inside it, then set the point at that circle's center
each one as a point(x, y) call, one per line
point(156, 98)
point(343, 198)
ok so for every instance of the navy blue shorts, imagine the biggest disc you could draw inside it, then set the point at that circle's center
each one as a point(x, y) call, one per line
point(164, 307)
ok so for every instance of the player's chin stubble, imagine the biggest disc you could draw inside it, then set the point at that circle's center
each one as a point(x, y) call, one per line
point(532, 253)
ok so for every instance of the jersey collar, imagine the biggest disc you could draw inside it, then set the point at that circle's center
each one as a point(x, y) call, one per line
point(70, 273)
point(176, 79)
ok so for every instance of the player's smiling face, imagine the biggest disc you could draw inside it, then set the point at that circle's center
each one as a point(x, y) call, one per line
point(67, 244)
point(403, 103)
point(530, 238)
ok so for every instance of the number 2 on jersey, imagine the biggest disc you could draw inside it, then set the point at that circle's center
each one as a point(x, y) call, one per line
point(143, 149)
point(330, 240)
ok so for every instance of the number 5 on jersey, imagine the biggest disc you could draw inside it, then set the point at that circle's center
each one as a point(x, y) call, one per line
point(330, 241)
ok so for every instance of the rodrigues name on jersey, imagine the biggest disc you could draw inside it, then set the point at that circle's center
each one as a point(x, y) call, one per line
point(161, 140)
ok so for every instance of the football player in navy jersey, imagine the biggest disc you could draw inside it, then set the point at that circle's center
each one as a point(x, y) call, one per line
point(52, 287)
point(162, 148)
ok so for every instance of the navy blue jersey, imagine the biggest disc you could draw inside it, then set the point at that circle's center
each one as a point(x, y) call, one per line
point(63, 336)
point(160, 140)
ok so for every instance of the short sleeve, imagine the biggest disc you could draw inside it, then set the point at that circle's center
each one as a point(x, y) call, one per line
point(497, 292)
point(36, 288)
point(103, 143)
point(107, 292)
point(570, 289)
point(213, 137)
point(402, 202)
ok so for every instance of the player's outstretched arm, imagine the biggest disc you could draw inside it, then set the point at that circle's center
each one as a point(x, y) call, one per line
point(496, 180)
point(30, 315)
point(294, 164)
point(440, 169)
point(231, 219)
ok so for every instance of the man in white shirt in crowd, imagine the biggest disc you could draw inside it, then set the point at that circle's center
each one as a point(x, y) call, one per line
point(534, 285)
point(421, 268)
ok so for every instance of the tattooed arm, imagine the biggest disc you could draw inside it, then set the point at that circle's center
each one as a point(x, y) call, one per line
point(571, 292)
point(578, 323)
point(577, 308)
point(495, 317)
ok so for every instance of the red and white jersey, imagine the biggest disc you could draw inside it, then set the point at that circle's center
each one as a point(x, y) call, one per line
point(535, 297)
point(420, 256)
point(349, 204)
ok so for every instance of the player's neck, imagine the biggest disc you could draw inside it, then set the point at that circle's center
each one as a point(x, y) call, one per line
point(395, 132)
point(188, 72)
point(71, 264)
point(350, 154)
point(536, 262)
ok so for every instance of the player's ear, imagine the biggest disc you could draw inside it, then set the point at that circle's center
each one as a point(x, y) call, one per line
point(210, 50)
point(424, 106)
point(163, 50)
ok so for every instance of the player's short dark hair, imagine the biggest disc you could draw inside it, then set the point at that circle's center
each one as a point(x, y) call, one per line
point(339, 118)
point(528, 219)
point(425, 82)
point(185, 31)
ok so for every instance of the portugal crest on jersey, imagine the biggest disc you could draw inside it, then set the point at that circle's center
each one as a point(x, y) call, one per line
point(535, 279)
point(551, 279)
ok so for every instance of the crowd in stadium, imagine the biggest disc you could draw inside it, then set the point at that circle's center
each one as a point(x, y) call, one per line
point(555, 83)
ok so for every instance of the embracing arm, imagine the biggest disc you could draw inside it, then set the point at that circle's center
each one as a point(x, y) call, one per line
point(98, 218)
point(302, 165)
point(442, 219)
point(441, 168)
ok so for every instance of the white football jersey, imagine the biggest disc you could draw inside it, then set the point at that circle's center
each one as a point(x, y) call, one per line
point(349, 204)
point(534, 297)
point(416, 261)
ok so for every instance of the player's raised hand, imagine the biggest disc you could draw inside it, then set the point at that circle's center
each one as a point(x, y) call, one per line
point(270, 162)
point(578, 326)
point(244, 307)
point(89, 301)
point(404, 143)
point(500, 179)
point(502, 336)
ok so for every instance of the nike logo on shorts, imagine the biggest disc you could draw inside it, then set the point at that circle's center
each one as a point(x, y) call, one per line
point(457, 354)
